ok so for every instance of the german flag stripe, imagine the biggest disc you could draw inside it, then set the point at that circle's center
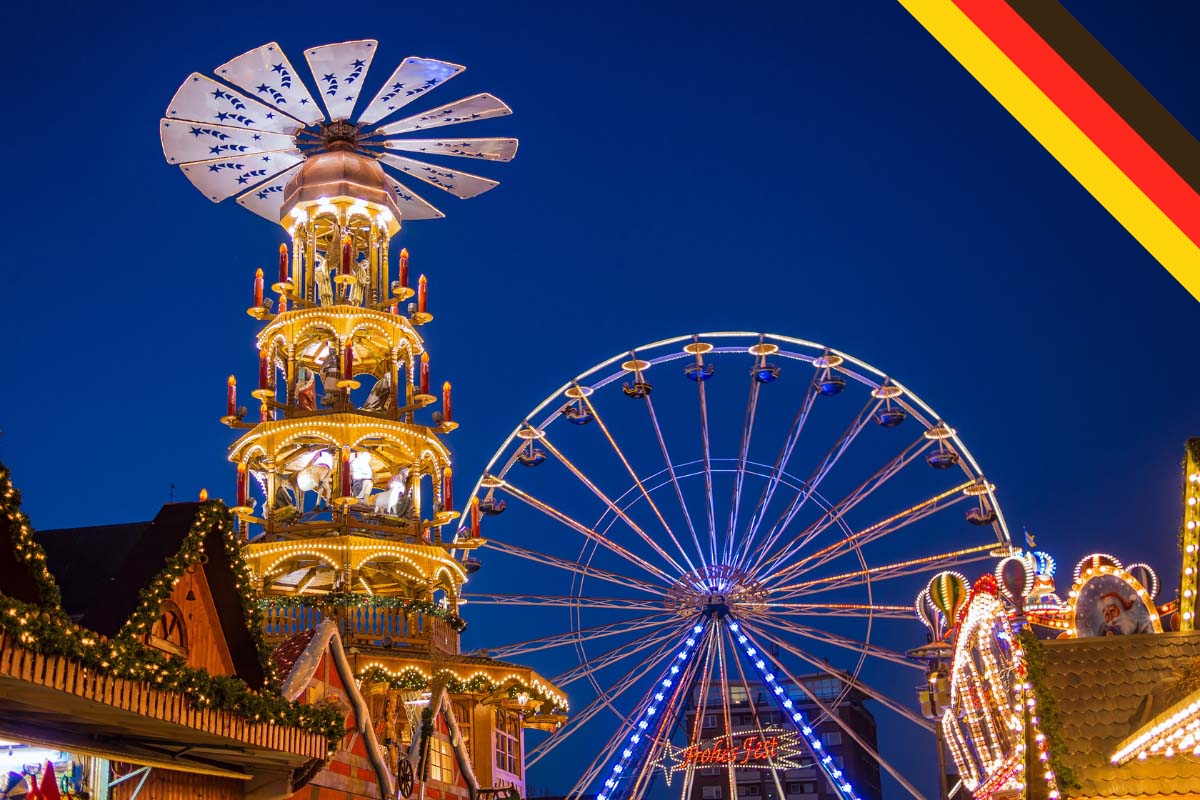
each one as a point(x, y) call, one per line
point(1089, 112)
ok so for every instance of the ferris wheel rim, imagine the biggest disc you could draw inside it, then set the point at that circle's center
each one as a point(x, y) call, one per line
point(975, 470)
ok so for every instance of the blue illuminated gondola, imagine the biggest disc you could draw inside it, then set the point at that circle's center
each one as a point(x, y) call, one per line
point(699, 372)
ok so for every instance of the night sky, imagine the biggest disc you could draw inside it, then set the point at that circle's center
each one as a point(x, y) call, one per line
point(820, 170)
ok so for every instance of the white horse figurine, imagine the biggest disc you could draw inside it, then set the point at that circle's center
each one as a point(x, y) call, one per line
point(388, 501)
point(314, 477)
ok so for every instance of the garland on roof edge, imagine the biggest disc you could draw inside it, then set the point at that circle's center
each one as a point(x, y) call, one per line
point(1048, 719)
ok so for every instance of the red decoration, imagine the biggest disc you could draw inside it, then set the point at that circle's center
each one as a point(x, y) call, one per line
point(395, 308)
point(258, 288)
point(447, 489)
point(986, 584)
point(446, 402)
point(422, 294)
point(49, 790)
point(424, 373)
point(474, 517)
point(241, 485)
point(348, 362)
point(345, 472)
point(754, 749)
point(283, 263)
point(231, 397)
point(404, 267)
point(264, 371)
point(347, 255)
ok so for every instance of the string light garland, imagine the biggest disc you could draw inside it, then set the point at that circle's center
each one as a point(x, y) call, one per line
point(413, 680)
point(356, 600)
point(1189, 536)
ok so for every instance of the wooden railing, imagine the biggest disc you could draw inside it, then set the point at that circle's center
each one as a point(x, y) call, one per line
point(364, 626)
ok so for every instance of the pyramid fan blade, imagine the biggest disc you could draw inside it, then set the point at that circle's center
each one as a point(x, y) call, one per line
point(266, 72)
point(339, 70)
point(184, 142)
point(202, 99)
point(469, 109)
point(488, 149)
point(267, 198)
point(413, 206)
point(459, 184)
point(413, 78)
point(224, 177)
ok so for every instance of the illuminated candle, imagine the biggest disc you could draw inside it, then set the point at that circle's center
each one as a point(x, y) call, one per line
point(264, 371)
point(446, 402)
point(474, 517)
point(231, 397)
point(283, 263)
point(346, 255)
point(447, 489)
point(348, 362)
point(395, 308)
point(241, 484)
point(345, 472)
point(204, 495)
point(404, 267)
point(422, 294)
point(258, 288)
point(424, 373)
point(264, 413)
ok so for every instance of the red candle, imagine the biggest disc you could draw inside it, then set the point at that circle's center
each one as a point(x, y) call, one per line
point(264, 413)
point(474, 517)
point(241, 484)
point(346, 255)
point(395, 308)
point(348, 362)
point(345, 472)
point(446, 402)
point(422, 294)
point(231, 397)
point(447, 489)
point(404, 267)
point(283, 263)
point(264, 371)
point(258, 288)
point(424, 373)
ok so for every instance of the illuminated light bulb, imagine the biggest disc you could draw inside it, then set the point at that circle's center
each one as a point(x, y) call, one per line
point(691, 642)
point(797, 717)
point(635, 738)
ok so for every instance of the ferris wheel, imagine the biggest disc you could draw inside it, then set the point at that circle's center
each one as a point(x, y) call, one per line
point(707, 525)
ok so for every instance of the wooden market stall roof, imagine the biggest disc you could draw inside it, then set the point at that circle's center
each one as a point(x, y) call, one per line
point(1104, 689)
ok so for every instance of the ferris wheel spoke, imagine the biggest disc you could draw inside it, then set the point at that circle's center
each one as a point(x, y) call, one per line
point(878, 530)
point(781, 461)
point(840, 508)
point(570, 637)
point(839, 610)
point(579, 527)
point(740, 476)
point(887, 571)
point(849, 731)
point(753, 707)
point(687, 514)
point(846, 677)
point(810, 486)
point(618, 511)
point(708, 479)
point(582, 570)
point(836, 639)
point(604, 700)
point(607, 658)
point(563, 601)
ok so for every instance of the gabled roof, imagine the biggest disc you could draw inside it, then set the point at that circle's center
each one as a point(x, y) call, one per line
point(1104, 689)
point(120, 561)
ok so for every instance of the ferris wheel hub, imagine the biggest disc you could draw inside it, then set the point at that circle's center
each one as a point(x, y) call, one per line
point(717, 591)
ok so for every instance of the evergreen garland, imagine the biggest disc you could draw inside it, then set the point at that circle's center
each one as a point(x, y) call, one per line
point(1048, 719)
point(25, 548)
point(413, 681)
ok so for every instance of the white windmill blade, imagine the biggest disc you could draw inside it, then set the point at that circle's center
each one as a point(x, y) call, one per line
point(266, 73)
point(225, 177)
point(469, 109)
point(457, 183)
point(266, 199)
point(413, 206)
point(339, 70)
point(490, 149)
point(413, 78)
point(184, 142)
point(201, 99)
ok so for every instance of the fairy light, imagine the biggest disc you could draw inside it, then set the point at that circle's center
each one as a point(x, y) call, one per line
point(790, 712)
point(1189, 584)
point(642, 722)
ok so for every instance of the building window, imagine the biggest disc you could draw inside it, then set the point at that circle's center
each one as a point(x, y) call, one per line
point(169, 633)
point(748, 790)
point(710, 771)
point(508, 743)
point(810, 788)
point(441, 760)
point(710, 721)
point(462, 715)
point(710, 793)
point(832, 738)
point(793, 787)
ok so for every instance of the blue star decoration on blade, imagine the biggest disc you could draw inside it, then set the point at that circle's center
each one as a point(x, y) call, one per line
point(277, 67)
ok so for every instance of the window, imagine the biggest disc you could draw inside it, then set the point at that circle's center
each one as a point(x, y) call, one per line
point(748, 790)
point(710, 793)
point(710, 771)
point(832, 737)
point(810, 788)
point(737, 695)
point(462, 715)
point(793, 787)
point(441, 760)
point(710, 721)
point(508, 743)
point(169, 633)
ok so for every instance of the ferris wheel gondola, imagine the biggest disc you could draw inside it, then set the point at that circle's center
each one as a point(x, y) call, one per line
point(680, 540)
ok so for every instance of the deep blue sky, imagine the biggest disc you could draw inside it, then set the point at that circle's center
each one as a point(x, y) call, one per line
point(823, 170)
